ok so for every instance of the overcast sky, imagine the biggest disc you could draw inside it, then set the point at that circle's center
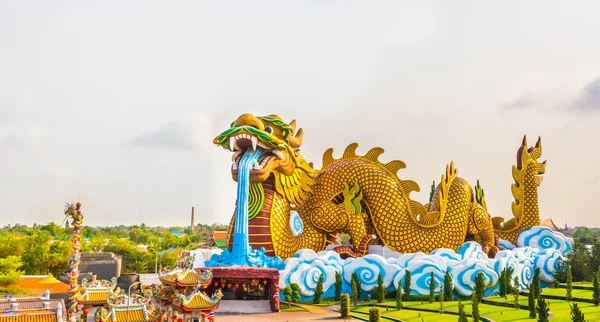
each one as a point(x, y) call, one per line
point(116, 103)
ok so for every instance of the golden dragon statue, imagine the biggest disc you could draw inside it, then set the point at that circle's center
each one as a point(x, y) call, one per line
point(293, 206)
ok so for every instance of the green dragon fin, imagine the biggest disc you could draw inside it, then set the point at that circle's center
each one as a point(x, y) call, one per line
point(352, 198)
point(432, 191)
point(480, 195)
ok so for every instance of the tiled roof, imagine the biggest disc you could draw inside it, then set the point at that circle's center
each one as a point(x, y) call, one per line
point(34, 285)
point(134, 316)
point(199, 301)
point(31, 316)
point(92, 298)
point(33, 305)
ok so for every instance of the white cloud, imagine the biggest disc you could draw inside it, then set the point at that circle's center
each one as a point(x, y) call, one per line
point(583, 99)
point(187, 133)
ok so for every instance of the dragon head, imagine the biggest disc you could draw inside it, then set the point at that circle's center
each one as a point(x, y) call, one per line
point(280, 146)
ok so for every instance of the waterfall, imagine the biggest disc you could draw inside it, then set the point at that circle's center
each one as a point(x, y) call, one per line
point(240, 249)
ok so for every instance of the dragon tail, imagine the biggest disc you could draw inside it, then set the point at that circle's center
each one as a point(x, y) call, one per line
point(527, 174)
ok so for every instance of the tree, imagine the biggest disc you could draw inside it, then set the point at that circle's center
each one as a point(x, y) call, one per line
point(345, 306)
point(502, 283)
point(475, 303)
point(399, 295)
point(295, 292)
point(9, 274)
point(595, 256)
point(579, 260)
point(516, 294)
point(584, 235)
point(407, 285)
point(531, 302)
point(448, 287)
point(358, 285)
point(338, 285)
point(318, 291)
point(462, 315)
point(596, 292)
point(287, 294)
point(355, 291)
point(380, 290)
point(441, 298)
point(535, 284)
point(509, 279)
point(479, 285)
point(562, 265)
point(431, 287)
point(576, 314)
point(542, 310)
point(374, 315)
point(569, 296)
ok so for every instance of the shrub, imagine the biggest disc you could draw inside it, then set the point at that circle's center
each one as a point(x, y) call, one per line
point(338, 285)
point(462, 315)
point(374, 314)
point(431, 287)
point(399, 295)
point(475, 304)
point(569, 296)
point(596, 292)
point(502, 282)
point(441, 299)
point(345, 305)
point(479, 286)
point(295, 292)
point(531, 302)
point(576, 314)
point(448, 287)
point(287, 292)
point(358, 284)
point(407, 285)
point(542, 310)
point(355, 292)
point(318, 291)
point(535, 284)
point(380, 290)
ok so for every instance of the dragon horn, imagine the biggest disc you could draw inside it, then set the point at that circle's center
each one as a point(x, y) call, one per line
point(525, 140)
point(296, 140)
point(538, 144)
point(293, 125)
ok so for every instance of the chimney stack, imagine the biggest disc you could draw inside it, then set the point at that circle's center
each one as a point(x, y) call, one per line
point(192, 220)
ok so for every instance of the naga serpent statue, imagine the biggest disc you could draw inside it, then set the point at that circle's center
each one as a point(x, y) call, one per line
point(293, 206)
point(74, 211)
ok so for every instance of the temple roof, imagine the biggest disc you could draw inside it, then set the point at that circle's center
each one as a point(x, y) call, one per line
point(38, 317)
point(97, 292)
point(201, 301)
point(38, 284)
point(187, 278)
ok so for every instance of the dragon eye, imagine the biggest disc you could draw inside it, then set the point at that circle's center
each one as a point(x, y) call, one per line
point(269, 129)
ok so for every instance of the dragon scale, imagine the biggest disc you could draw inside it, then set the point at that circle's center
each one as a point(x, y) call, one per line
point(365, 198)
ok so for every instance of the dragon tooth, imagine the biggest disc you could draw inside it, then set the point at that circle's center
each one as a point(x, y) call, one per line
point(234, 165)
point(254, 140)
point(235, 155)
point(232, 143)
point(279, 154)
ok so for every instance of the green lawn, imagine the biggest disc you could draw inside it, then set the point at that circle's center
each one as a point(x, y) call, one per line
point(561, 310)
point(586, 294)
point(411, 316)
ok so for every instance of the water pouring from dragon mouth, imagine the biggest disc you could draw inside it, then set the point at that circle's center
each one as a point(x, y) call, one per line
point(240, 249)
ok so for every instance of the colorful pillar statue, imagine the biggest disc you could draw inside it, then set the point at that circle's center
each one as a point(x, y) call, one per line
point(74, 211)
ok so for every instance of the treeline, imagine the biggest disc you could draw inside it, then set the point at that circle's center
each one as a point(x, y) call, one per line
point(44, 249)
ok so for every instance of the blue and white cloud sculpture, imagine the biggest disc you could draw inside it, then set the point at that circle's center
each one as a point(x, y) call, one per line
point(537, 247)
